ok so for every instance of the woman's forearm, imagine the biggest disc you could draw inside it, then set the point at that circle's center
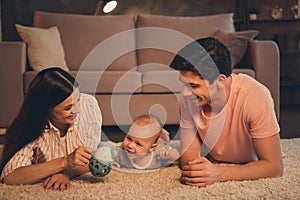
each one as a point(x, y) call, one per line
point(34, 173)
point(76, 171)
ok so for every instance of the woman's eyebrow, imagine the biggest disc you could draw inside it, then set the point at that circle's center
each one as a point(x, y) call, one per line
point(73, 102)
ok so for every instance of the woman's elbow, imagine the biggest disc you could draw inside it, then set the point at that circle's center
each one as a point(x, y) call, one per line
point(12, 180)
point(8, 181)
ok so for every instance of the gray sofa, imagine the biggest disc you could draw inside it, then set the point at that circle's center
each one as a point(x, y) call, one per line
point(123, 60)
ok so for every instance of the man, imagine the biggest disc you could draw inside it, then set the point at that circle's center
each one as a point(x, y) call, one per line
point(232, 116)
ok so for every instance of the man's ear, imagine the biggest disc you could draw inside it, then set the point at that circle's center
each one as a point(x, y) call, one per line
point(152, 147)
point(221, 81)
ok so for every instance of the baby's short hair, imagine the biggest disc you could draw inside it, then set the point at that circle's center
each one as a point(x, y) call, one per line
point(146, 120)
point(146, 126)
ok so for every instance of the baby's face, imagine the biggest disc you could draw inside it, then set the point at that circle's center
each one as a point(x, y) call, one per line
point(137, 146)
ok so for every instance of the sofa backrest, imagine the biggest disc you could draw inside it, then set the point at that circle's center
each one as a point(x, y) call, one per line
point(80, 34)
point(193, 27)
point(83, 37)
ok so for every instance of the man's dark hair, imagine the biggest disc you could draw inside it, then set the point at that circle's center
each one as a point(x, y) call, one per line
point(206, 57)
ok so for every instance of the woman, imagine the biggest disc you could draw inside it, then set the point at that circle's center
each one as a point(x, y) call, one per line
point(51, 138)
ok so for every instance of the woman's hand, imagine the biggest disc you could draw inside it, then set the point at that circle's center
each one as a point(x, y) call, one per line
point(200, 172)
point(80, 157)
point(59, 182)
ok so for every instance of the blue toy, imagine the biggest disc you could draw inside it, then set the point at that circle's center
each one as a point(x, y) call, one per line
point(101, 162)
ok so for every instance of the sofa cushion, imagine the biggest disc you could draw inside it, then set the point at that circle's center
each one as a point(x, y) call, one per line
point(123, 109)
point(161, 82)
point(236, 42)
point(100, 82)
point(157, 46)
point(44, 47)
point(80, 34)
point(109, 82)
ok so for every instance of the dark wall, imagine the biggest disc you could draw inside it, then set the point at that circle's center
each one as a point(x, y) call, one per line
point(22, 11)
point(177, 7)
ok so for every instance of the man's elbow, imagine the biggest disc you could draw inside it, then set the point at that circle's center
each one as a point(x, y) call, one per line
point(280, 170)
point(277, 171)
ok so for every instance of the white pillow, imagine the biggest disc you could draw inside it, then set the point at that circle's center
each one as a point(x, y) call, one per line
point(44, 47)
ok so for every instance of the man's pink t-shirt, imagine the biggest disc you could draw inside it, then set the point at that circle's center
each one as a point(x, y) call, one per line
point(249, 113)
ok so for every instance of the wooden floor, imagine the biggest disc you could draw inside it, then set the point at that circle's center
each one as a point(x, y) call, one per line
point(289, 124)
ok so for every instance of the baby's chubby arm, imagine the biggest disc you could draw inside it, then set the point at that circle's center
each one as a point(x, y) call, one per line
point(170, 152)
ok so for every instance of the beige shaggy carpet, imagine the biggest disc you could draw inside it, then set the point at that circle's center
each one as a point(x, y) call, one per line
point(164, 184)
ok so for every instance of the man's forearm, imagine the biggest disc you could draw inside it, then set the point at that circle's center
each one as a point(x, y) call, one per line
point(190, 145)
point(250, 171)
point(186, 157)
point(269, 165)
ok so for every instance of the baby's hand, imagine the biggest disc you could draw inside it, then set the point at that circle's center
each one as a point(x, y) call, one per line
point(168, 154)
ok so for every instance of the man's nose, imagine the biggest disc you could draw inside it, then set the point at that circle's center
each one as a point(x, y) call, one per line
point(187, 91)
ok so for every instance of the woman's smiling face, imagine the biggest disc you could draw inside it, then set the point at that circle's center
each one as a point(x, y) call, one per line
point(66, 111)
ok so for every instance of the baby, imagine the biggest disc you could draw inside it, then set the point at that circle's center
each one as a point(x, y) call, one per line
point(147, 146)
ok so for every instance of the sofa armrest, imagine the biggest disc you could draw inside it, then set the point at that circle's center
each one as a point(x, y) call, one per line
point(266, 63)
point(13, 64)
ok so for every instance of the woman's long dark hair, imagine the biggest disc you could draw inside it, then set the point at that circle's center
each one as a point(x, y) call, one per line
point(49, 88)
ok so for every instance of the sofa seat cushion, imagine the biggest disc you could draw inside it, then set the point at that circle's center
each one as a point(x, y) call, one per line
point(186, 27)
point(99, 82)
point(80, 34)
point(161, 81)
point(123, 109)
point(109, 81)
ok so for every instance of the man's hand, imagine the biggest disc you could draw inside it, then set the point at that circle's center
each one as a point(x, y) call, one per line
point(79, 157)
point(200, 172)
point(59, 182)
